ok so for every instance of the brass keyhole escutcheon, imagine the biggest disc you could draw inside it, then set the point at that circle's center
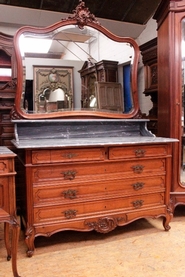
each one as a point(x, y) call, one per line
point(69, 155)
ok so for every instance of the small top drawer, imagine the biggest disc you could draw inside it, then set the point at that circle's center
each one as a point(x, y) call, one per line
point(140, 151)
point(6, 166)
point(68, 155)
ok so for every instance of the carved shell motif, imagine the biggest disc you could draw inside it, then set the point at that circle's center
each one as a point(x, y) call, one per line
point(83, 15)
point(106, 224)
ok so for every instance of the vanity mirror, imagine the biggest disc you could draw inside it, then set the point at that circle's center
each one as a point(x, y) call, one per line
point(75, 67)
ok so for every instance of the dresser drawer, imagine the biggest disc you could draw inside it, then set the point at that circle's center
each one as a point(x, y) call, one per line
point(95, 189)
point(6, 166)
point(137, 151)
point(68, 155)
point(97, 170)
point(87, 208)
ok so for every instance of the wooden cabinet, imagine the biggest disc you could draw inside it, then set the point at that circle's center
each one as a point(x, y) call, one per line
point(103, 71)
point(149, 54)
point(170, 17)
point(7, 89)
point(94, 180)
point(7, 204)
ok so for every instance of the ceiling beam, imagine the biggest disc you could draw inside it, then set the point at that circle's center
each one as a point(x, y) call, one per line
point(129, 8)
point(41, 4)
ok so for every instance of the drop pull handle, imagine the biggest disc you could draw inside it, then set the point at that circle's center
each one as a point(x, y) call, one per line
point(138, 186)
point(70, 193)
point(138, 168)
point(69, 174)
point(140, 153)
point(70, 214)
point(137, 204)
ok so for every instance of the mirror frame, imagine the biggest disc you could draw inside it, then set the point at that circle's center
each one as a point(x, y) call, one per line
point(81, 17)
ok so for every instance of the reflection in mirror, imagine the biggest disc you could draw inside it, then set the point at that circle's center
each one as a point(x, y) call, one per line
point(74, 67)
point(183, 107)
point(93, 56)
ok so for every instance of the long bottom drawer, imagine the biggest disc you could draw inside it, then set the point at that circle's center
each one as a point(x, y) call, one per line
point(83, 209)
point(104, 222)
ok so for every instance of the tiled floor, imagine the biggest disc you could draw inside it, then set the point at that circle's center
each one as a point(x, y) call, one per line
point(141, 249)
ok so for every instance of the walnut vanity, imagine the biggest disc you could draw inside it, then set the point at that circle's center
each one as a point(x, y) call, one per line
point(85, 167)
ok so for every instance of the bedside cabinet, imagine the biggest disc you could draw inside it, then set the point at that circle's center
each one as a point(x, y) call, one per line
point(7, 205)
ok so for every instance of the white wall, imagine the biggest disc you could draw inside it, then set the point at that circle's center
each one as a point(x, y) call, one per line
point(148, 33)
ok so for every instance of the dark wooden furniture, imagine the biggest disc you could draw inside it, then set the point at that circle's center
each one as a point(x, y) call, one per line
point(8, 85)
point(109, 96)
point(7, 89)
point(149, 56)
point(8, 206)
point(169, 18)
point(91, 175)
point(103, 71)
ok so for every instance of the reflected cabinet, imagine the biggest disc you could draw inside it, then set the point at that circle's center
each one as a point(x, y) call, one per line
point(100, 86)
point(170, 18)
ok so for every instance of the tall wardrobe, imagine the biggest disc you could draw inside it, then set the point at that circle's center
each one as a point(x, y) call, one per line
point(170, 17)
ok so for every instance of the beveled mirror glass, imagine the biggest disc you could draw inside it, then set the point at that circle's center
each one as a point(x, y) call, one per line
point(75, 67)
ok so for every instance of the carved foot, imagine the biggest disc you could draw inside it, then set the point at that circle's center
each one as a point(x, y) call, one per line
point(8, 258)
point(29, 240)
point(166, 224)
point(29, 253)
point(169, 216)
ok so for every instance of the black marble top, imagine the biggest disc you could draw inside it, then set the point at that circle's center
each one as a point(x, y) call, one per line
point(4, 151)
point(88, 132)
point(89, 142)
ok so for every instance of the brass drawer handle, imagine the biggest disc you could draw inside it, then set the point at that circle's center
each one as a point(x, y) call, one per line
point(138, 186)
point(137, 168)
point(70, 214)
point(140, 153)
point(69, 155)
point(70, 193)
point(69, 175)
point(137, 204)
